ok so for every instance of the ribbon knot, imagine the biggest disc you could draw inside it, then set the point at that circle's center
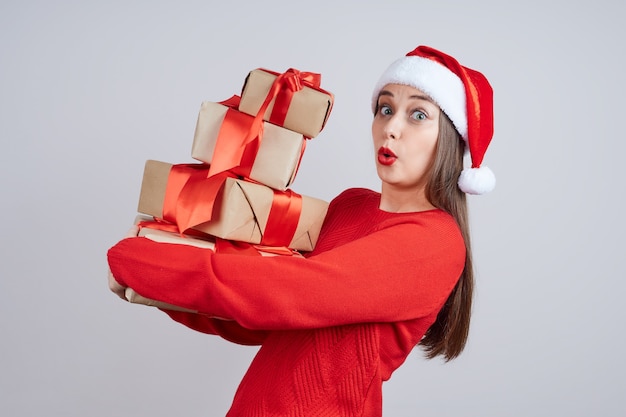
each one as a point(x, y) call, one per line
point(295, 80)
point(283, 89)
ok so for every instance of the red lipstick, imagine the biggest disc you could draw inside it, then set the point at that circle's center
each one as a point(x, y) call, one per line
point(386, 156)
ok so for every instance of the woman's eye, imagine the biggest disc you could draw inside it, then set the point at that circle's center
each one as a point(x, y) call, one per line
point(418, 115)
point(385, 110)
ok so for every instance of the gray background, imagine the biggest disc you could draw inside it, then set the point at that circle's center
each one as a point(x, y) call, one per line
point(89, 91)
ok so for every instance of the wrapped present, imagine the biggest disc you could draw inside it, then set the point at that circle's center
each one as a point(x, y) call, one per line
point(163, 232)
point(273, 161)
point(230, 208)
point(293, 100)
point(154, 231)
point(159, 232)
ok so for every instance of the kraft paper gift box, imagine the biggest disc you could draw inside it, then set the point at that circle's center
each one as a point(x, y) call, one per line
point(276, 162)
point(240, 211)
point(308, 110)
point(158, 235)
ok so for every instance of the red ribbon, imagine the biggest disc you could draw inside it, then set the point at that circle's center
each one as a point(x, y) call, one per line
point(158, 224)
point(234, 141)
point(177, 179)
point(190, 195)
point(283, 219)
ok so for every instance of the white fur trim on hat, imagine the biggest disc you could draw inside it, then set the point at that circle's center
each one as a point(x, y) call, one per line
point(433, 79)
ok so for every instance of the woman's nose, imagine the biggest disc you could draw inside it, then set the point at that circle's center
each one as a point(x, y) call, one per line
point(392, 128)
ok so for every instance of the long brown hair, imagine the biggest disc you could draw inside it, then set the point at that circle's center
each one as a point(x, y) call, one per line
point(448, 334)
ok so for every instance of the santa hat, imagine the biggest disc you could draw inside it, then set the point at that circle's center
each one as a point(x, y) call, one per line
point(463, 94)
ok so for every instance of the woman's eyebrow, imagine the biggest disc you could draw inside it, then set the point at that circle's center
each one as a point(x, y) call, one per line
point(422, 97)
point(414, 96)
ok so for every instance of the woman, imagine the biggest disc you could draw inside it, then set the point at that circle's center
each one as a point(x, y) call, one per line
point(391, 270)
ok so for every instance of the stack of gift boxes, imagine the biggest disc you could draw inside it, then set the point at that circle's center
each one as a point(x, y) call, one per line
point(238, 196)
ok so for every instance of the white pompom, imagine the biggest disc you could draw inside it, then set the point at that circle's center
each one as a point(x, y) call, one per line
point(477, 180)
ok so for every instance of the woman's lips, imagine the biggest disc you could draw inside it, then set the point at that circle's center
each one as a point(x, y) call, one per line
point(386, 156)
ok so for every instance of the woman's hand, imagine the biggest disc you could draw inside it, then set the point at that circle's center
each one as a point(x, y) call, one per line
point(115, 286)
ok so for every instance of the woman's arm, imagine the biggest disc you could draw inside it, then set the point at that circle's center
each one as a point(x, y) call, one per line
point(228, 330)
point(399, 273)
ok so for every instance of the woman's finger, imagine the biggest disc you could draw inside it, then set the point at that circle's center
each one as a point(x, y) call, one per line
point(116, 287)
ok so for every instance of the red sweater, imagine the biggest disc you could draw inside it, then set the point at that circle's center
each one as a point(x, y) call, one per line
point(332, 326)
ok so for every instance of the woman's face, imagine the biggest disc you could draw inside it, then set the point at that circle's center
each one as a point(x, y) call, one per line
point(405, 131)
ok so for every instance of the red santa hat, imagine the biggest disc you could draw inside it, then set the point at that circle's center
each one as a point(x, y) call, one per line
point(463, 94)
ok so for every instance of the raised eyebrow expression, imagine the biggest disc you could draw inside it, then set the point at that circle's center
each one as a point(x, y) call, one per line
point(414, 96)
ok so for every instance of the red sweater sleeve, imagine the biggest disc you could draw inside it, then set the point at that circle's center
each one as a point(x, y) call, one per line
point(227, 329)
point(401, 272)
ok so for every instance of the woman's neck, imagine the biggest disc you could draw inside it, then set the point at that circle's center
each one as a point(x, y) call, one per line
point(399, 200)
